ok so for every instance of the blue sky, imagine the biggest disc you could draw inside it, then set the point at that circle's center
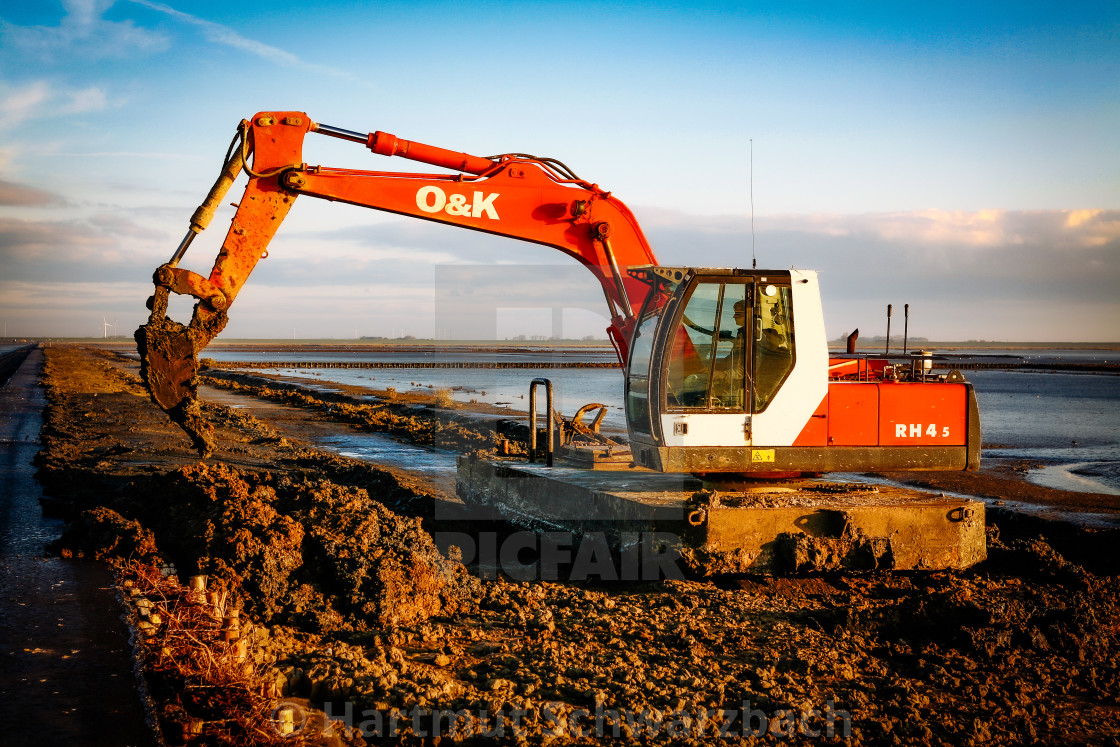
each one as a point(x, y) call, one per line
point(962, 158)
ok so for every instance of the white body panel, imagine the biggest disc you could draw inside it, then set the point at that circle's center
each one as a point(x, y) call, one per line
point(705, 429)
point(794, 403)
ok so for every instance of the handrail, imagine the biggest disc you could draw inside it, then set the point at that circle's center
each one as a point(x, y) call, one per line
point(549, 419)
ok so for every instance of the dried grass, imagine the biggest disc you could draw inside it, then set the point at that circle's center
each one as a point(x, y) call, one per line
point(443, 398)
point(221, 697)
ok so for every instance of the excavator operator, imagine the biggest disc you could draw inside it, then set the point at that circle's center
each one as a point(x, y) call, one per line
point(731, 369)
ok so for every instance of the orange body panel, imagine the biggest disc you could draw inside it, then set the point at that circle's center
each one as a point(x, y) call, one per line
point(922, 414)
point(853, 414)
point(815, 432)
point(856, 368)
point(887, 413)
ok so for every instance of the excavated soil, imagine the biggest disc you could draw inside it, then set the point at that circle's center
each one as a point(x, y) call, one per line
point(355, 612)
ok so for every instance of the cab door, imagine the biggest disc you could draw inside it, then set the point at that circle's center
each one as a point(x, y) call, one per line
point(708, 371)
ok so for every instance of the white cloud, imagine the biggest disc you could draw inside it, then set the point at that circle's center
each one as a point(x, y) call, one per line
point(219, 34)
point(118, 225)
point(964, 270)
point(23, 103)
point(104, 247)
point(43, 308)
point(957, 228)
point(82, 33)
point(990, 275)
point(40, 99)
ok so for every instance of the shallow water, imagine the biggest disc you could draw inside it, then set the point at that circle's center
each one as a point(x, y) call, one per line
point(572, 387)
point(378, 449)
point(1068, 422)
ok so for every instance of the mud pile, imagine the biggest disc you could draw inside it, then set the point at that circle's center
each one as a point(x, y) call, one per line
point(361, 616)
point(311, 553)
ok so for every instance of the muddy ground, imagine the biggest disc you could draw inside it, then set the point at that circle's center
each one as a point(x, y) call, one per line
point(346, 605)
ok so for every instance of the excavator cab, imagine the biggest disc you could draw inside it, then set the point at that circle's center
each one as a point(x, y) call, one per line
point(729, 372)
point(717, 355)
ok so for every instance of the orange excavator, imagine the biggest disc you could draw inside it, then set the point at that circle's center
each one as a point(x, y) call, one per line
point(727, 371)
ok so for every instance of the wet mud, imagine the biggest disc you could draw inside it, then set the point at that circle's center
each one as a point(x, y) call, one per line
point(169, 362)
point(348, 607)
point(403, 416)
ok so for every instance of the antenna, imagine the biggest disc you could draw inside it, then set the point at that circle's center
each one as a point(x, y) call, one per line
point(754, 259)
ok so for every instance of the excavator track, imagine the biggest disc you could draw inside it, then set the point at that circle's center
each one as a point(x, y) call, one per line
point(797, 526)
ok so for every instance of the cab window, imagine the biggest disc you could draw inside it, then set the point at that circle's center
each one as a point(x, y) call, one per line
point(641, 351)
point(637, 383)
point(707, 366)
point(773, 343)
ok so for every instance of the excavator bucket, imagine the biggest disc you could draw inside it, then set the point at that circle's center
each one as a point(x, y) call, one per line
point(168, 364)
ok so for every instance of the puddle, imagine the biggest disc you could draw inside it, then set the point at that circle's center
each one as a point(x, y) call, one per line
point(377, 449)
point(1071, 477)
point(1081, 469)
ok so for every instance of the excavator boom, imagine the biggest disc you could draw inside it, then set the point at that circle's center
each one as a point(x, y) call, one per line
point(515, 195)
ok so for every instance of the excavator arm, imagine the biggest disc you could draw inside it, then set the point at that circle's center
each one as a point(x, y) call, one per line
point(515, 195)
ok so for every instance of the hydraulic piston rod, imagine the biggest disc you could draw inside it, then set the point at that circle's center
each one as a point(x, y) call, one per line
point(385, 144)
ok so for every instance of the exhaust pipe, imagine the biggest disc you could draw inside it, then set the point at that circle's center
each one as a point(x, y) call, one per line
point(905, 327)
point(888, 350)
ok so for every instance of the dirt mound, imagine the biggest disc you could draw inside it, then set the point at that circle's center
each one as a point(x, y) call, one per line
point(377, 564)
point(103, 534)
point(316, 553)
